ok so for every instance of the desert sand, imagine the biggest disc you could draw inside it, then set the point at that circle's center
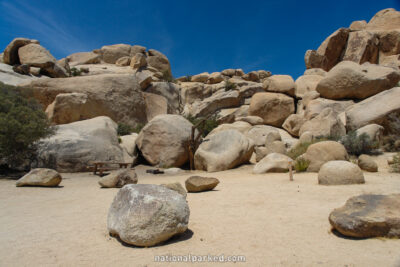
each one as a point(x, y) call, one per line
point(266, 218)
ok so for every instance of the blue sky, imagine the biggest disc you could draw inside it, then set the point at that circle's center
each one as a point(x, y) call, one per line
point(196, 36)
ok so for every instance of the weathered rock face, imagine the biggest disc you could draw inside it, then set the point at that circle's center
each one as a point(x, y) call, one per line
point(340, 172)
point(138, 61)
point(168, 90)
point(386, 19)
point(280, 84)
point(159, 61)
point(389, 44)
point(325, 124)
point(358, 25)
point(118, 179)
point(240, 126)
point(10, 55)
point(315, 71)
point(307, 83)
point(40, 177)
point(192, 91)
point(82, 58)
point(219, 100)
point(368, 216)
point(222, 151)
point(8, 76)
point(117, 96)
point(259, 134)
point(350, 80)
point(366, 163)
point(146, 215)
point(362, 46)
point(293, 123)
point(200, 184)
point(253, 120)
point(74, 146)
point(374, 131)
point(123, 61)
point(382, 109)
point(273, 108)
point(176, 187)
point(322, 152)
point(215, 77)
point(270, 147)
point(68, 108)
point(164, 141)
point(273, 162)
point(36, 55)
point(155, 105)
point(111, 53)
point(330, 51)
point(314, 107)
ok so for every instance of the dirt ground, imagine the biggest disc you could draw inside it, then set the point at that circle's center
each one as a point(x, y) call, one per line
point(266, 218)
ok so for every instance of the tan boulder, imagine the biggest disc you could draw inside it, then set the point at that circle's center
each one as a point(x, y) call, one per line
point(170, 91)
point(325, 124)
point(374, 131)
point(137, 49)
point(40, 177)
point(293, 123)
point(111, 53)
point(358, 25)
point(128, 143)
point(381, 109)
point(69, 107)
point(241, 126)
point(340, 172)
point(118, 179)
point(155, 105)
point(315, 106)
point(270, 147)
point(228, 72)
point(192, 91)
point(307, 83)
point(10, 54)
point(313, 59)
point(253, 120)
point(385, 20)
point(351, 80)
point(82, 58)
point(123, 61)
point(322, 152)
point(103, 95)
point(200, 78)
point(366, 163)
point(315, 71)
point(215, 77)
point(389, 44)
point(177, 187)
point(259, 134)
point(200, 184)
point(362, 46)
point(262, 74)
point(158, 60)
point(280, 84)
point(223, 150)
point(251, 76)
point(219, 100)
point(164, 141)
point(138, 61)
point(273, 108)
point(273, 162)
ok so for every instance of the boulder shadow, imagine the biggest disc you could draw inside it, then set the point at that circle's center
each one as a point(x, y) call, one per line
point(338, 234)
point(41, 186)
point(204, 192)
point(188, 234)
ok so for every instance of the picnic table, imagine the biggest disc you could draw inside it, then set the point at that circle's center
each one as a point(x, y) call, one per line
point(99, 166)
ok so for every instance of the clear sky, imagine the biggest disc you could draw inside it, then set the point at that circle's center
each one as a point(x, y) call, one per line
point(196, 36)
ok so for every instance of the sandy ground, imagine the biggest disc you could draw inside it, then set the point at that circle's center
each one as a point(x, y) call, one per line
point(266, 218)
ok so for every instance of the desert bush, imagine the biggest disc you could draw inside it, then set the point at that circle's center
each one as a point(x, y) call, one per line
point(167, 77)
point(390, 143)
point(299, 150)
point(124, 129)
point(301, 164)
point(395, 166)
point(138, 128)
point(229, 86)
point(206, 127)
point(75, 72)
point(22, 124)
point(358, 144)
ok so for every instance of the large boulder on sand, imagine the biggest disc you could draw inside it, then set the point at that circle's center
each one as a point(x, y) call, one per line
point(200, 184)
point(368, 216)
point(325, 124)
point(273, 108)
point(146, 215)
point(40, 177)
point(273, 162)
point(164, 141)
point(322, 152)
point(119, 178)
point(117, 96)
point(340, 172)
point(223, 150)
point(351, 80)
point(382, 109)
point(76, 145)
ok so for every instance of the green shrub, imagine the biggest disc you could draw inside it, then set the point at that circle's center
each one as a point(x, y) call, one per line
point(206, 127)
point(395, 166)
point(301, 164)
point(188, 78)
point(358, 144)
point(124, 129)
point(138, 128)
point(167, 77)
point(22, 124)
point(390, 143)
point(229, 86)
point(75, 72)
point(299, 150)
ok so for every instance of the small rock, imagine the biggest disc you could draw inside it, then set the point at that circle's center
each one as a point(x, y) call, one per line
point(200, 184)
point(119, 179)
point(340, 172)
point(366, 163)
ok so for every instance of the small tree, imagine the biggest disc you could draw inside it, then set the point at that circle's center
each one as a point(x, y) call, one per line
point(22, 123)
